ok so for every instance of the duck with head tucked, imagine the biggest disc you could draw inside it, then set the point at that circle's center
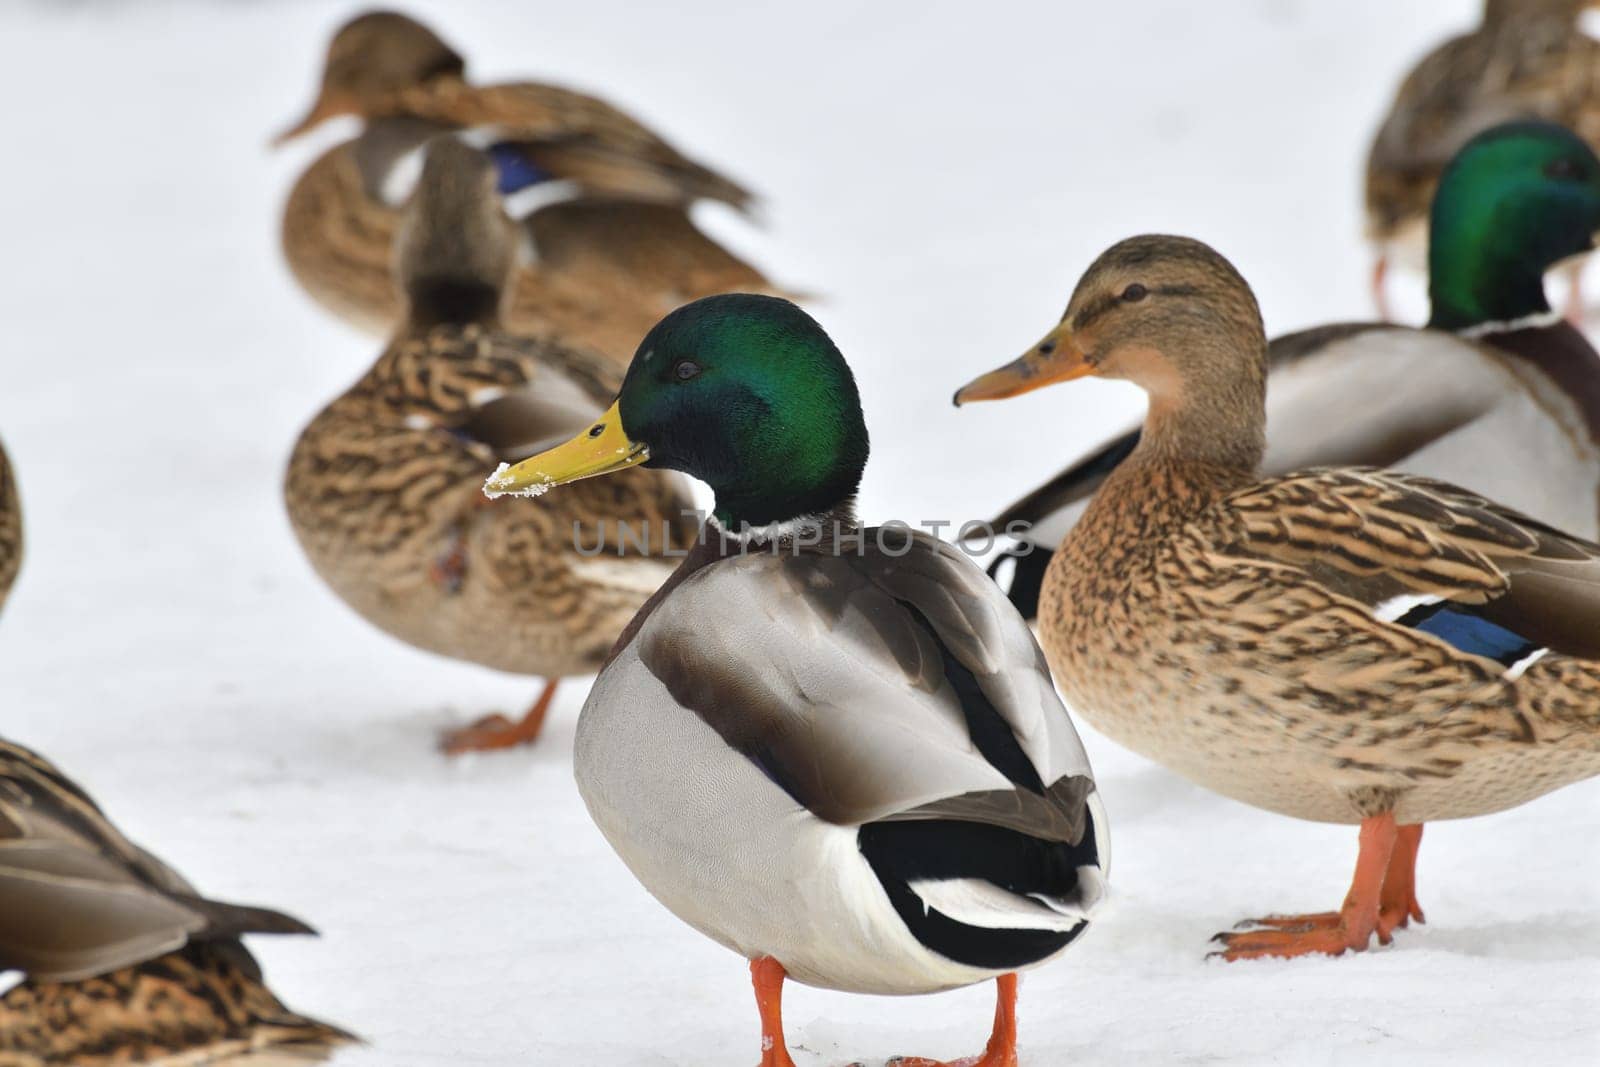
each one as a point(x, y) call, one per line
point(533, 591)
point(1342, 644)
point(1528, 59)
point(835, 750)
point(123, 960)
point(612, 245)
point(1497, 393)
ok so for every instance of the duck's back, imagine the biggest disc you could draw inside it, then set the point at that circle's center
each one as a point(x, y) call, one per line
point(10, 528)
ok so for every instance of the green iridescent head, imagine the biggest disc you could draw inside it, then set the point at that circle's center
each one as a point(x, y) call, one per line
point(747, 394)
point(1516, 200)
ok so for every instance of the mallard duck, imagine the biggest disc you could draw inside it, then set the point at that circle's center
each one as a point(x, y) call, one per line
point(834, 750)
point(124, 961)
point(1497, 393)
point(1348, 645)
point(613, 247)
point(1528, 59)
point(541, 592)
point(10, 528)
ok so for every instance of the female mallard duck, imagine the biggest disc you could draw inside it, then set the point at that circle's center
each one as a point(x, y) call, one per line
point(1529, 59)
point(608, 259)
point(542, 591)
point(833, 750)
point(1343, 644)
point(124, 961)
point(10, 528)
point(1497, 393)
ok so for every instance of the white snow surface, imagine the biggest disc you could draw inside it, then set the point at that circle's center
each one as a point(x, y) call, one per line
point(941, 175)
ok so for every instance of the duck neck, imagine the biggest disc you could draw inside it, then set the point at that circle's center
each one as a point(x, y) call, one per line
point(1472, 282)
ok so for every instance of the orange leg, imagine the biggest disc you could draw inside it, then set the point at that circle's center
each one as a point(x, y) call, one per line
point(1380, 288)
point(1002, 1048)
point(496, 731)
point(1329, 933)
point(1398, 904)
point(767, 975)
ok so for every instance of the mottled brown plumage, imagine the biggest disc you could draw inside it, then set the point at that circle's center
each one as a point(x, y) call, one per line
point(384, 486)
point(124, 961)
point(1268, 638)
point(10, 528)
point(608, 260)
point(1527, 59)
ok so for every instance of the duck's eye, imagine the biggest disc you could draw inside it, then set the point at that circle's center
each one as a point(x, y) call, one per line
point(1134, 293)
point(1563, 168)
point(686, 369)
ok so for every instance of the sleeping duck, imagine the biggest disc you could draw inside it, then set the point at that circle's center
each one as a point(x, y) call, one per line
point(123, 961)
point(1497, 392)
point(1341, 644)
point(1528, 59)
point(607, 239)
point(834, 750)
point(539, 591)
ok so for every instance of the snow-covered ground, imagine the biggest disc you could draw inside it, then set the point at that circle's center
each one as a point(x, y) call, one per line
point(942, 173)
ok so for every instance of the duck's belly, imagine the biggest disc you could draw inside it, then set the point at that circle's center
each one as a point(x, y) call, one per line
point(1259, 756)
point(731, 854)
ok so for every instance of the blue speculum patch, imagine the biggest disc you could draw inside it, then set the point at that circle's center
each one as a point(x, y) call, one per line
point(1470, 633)
point(517, 171)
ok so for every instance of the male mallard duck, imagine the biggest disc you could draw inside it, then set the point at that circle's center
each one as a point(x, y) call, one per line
point(540, 591)
point(1497, 393)
point(833, 750)
point(124, 961)
point(608, 260)
point(1529, 59)
point(10, 528)
point(1343, 644)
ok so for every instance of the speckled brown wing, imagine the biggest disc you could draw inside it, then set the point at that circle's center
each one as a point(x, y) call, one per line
point(10, 528)
point(1522, 68)
point(571, 134)
point(79, 899)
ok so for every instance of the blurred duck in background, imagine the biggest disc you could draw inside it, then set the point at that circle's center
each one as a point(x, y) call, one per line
point(1343, 645)
point(384, 486)
point(123, 960)
point(10, 528)
point(1497, 393)
point(1529, 59)
point(607, 240)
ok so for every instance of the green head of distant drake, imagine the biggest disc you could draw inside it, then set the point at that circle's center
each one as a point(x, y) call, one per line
point(746, 393)
point(1516, 200)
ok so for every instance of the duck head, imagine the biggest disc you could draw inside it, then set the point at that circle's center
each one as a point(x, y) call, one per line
point(746, 393)
point(1175, 318)
point(1513, 202)
point(374, 54)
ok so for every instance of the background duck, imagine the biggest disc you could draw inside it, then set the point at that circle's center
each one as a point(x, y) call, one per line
point(1528, 59)
point(1344, 645)
point(613, 247)
point(840, 758)
point(535, 591)
point(125, 962)
point(10, 528)
point(1497, 392)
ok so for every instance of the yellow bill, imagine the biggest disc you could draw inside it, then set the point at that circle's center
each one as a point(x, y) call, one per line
point(600, 449)
point(1057, 358)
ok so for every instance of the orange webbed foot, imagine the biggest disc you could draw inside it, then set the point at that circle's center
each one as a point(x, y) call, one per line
point(1002, 1047)
point(1284, 939)
point(494, 732)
